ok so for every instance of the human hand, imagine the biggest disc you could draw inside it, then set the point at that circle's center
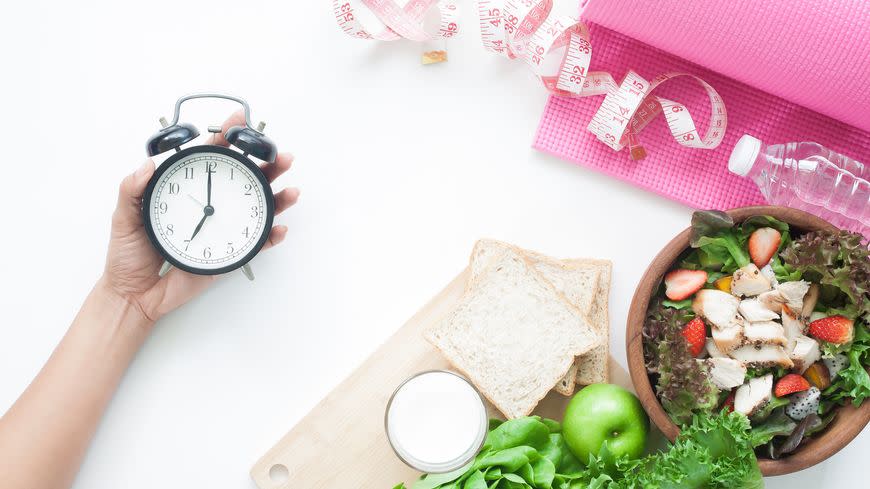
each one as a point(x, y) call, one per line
point(132, 264)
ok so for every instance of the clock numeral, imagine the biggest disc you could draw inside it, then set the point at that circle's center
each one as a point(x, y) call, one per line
point(211, 167)
point(248, 188)
point(230, 248)
point(246, 232)
point(164, 207)
point(170, 229)
point(206, 253)
point(255, 211)
point(232, 173)
point(174, 188)
point(188, 173)
point(186, 244)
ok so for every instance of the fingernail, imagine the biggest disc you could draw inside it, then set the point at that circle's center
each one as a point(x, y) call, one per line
point(142, 169)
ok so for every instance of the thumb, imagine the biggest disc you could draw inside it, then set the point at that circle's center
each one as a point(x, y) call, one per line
point(127, 213)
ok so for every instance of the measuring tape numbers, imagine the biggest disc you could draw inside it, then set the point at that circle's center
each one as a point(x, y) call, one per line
point(524, 29)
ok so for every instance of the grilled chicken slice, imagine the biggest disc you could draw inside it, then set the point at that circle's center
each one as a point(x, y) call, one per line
point(772, 300)
point(810, 301)
point(713, 350)
point(754, 311)
point(762, 355)
point(768, 272)
point(726, 373)
point(749, 282)
point(792, 326)
point(720, 308)
point(765, 333)
point(793, 293)
point(805, 353)
point(727, 339)
point(753, 395)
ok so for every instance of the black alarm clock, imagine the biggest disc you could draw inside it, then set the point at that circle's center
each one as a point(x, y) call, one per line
point(208, 209)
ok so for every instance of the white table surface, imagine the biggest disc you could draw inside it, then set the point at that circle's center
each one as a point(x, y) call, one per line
point(402, 167)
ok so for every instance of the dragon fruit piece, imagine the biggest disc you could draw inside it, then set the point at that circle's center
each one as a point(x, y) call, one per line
point(803, 404)
point(835, 364)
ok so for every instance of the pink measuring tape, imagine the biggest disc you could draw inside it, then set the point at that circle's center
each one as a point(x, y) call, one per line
point(523, 29)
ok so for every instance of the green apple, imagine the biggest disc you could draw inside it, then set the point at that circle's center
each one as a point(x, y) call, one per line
point(605, 413)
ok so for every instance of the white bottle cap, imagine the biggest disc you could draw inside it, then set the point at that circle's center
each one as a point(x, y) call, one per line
point(744, 154)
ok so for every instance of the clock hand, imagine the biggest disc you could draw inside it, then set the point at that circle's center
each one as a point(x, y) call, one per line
point(209, 171)
point(196, 200)
point(198, 226)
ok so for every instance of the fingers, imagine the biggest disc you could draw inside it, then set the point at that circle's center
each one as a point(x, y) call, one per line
point(237, 119)
point(281, 165)
point(276, 236)
point(285, 199)
point(127, 212)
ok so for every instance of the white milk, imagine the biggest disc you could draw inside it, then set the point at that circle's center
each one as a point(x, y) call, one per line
point(436, 422)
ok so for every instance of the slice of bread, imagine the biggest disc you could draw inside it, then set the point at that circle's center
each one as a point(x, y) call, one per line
point(593, 367)
point(577, 280)
point(513, 335)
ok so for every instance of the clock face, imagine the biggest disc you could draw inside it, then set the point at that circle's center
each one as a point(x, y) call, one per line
point(208, 209)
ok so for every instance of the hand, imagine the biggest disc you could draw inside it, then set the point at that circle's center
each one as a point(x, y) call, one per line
point(132, 264)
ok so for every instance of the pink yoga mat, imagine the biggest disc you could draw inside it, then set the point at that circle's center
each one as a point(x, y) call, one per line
point(779, 65)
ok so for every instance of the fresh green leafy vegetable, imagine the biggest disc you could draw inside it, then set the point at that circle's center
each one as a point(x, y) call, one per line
point(521, 453)
point(853, 381)
point(776, 371)
point(838, 259)
point(777, 424)
point(768, 409)
point(684, 385)
point(712, 452)
point(681, 305)
point(794, 439)
point(719, 242)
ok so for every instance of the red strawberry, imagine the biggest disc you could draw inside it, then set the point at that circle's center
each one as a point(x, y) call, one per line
point(790, 384)
point(763, 244)
point(729, 402)
point(833, 329)
point(681, 284)
point(695, 333)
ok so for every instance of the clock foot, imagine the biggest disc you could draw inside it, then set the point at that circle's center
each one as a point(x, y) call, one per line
point(165, 268)
point(246, 269)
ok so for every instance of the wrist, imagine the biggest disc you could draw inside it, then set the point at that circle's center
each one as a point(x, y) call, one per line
point(123, 312)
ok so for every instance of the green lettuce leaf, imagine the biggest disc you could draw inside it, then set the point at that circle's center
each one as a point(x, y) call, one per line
point(778, 424)
point(720, 244)
point(683, 386)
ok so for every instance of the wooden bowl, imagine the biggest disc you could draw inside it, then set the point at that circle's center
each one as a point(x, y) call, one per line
point(849, 420)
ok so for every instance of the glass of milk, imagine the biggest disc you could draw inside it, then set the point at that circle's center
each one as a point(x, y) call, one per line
point(436, 421)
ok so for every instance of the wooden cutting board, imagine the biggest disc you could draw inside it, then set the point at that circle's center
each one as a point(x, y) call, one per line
point(341, 443)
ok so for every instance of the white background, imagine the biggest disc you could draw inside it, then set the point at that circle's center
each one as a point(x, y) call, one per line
point(402, 167)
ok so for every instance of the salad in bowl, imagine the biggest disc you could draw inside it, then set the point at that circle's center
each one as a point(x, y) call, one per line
point(757, 318)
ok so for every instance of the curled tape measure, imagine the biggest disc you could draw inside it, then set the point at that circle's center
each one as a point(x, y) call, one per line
point(397, 22)
point(523, 29)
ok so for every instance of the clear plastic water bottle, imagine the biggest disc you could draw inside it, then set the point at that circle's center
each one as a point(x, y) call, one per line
point(810, 177)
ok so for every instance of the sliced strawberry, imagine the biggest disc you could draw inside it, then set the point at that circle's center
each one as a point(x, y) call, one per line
point(763, 244)
point(790, 384)
point(833, 329)
point(681, 284)
point(729, 402)
point(695, 333)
